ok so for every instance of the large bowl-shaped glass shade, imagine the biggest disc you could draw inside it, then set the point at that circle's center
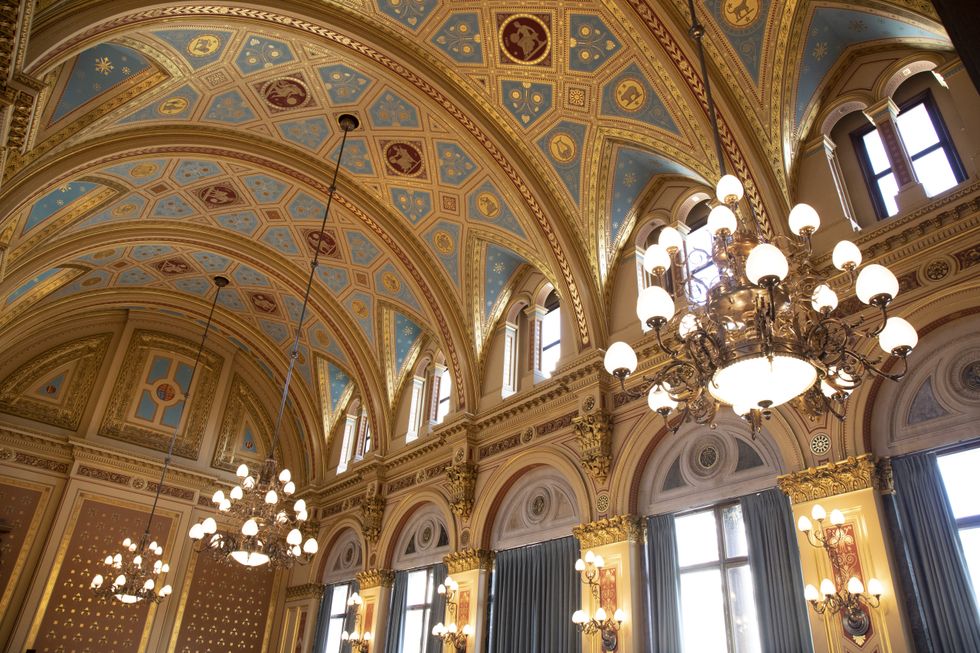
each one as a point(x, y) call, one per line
point(620, 356)
point(803, 217)
point(654, 302)
point(766, 261)
point(897, 335)
point(846, 254)
point(755, 381)
point(250, 558)
point(875, 280)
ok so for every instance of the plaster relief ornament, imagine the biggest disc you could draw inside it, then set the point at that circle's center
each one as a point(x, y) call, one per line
point(525, 38)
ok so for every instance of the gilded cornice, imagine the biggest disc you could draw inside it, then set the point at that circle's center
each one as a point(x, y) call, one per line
point(305, 592)
point(854, 473)
point(84, 452)
point(371, 578)
point(619, 528)
point(469, 559)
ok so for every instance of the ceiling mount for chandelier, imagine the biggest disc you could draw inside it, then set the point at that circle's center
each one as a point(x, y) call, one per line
point(135, 577)
point(254, 524)
point(767, 331)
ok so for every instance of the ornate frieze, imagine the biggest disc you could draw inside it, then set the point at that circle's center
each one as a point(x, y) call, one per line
point(305, 591)
point(493, 448)
point(619, 528)
point(469, 559)
point(372, 511)
point(461, 483)
point(854, 473)
point(371, 578)
point(417, 478)
point(594, 434)
point(103, 475)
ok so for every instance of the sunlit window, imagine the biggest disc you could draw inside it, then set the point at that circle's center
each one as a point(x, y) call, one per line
point(347, 443)
point(445, 390)
point(959, 472)
point(509, 385)
point(928, 144)
point(717, 604)
point(551, 336)
point(415, 408)
point(418, 611)
point(702, 273)
point(338, 616)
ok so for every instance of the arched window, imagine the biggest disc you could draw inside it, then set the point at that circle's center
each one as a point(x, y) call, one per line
point(347, 442)
point(701, 273)
point(445, 391)
point(416, 408)
point(550, 335)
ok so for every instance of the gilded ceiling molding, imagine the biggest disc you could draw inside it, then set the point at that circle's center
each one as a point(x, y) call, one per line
point(81, 359)
point(117, 423)
point(854, 473)
point(469, 559)
point(619, 528)
point(371, 578)
point(242, 401)
point(572, 294)
point(594, 434)
point(461, 483)
point(305, 592)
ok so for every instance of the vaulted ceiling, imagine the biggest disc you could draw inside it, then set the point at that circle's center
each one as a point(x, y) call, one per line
point(177, 142)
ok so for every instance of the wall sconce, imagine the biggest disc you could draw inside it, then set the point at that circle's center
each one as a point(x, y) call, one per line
point(848, 602)
point(600, 622)
point(451, 634)
point(358, 641)
point(820, 537)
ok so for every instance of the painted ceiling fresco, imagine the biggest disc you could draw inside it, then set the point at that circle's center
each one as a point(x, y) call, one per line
point(179, 143)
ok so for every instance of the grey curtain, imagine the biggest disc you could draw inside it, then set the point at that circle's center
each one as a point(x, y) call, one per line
point(396, 613)
point(434, 644)
point(664, 587)
point(774, 559)
point(322, 621)
point(536, 589)
point(930, 547)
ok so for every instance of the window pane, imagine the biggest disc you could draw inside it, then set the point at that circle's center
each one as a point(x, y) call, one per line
point(334, 630)
point(703, 271)
point(697, 538)
point(970, 537)
point(412, 639)
point(338, 601)
point(745, 623)
point(876, 151)
point(702, 612)
point(959, 476)
point(416, 594)
point(889, 188)
point(916, 128)
point(734, 529)
point(934, 171)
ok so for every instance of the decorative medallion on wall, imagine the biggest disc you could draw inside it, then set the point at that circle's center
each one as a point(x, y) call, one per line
point(218, 196)
point(54, 387)
point(937, 269)
point(707, 456)
point(964, 375)
point(245, 430)
point(173, 266)
point(286, 93)
point(145, 405)
point(264, 303)
point(740, 13)
point(820, 444)
point(404, 158)
point(525, 39)
point(326, 244)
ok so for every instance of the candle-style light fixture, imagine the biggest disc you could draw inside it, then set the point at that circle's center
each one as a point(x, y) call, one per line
point(451, 635)
point(819, 536)
point(263, 529)
point(768, 331)
point(849, 602)
point(358, 638)
point(138, 571)
point(600, 622)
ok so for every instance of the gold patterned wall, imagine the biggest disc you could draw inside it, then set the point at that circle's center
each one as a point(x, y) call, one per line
point(71, 619)
point(226, 608)
point(21, 507)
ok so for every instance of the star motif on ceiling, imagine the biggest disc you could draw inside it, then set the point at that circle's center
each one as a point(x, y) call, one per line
point(103, 65)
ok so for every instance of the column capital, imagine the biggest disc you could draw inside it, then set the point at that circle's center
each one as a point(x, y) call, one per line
point(469, 559)
point(371, 578)
point(881, 111)
point(305, 591)
point(610, 530)
point(841, 477)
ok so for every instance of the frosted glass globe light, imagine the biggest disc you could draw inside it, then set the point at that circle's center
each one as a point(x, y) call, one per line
point(236, 493)
point(824, 298)
point(300, 505)
point(271, 497)
point(687, 326)
point(836, 517)
point(656, 259)
point(578, 617)
point(729, 189)
point(876, 283)
point(898, 337)
point(766, 262)
point(660, 400)
point(600, 614)
point(209, 526)
point(242, 471)
point(619, 615)
point(218, 497)
point(310, 546)
point(620, 356)
point(855, 586)
point(285, 476)
point(722, 220)
point(827, 587)
point(250, 528)
point(804, 524)
point(803, 219)
point(846, 255)
point(294, 537)
point(875, 588)
point(654, 304)
point(810, 593)
point(670, 239)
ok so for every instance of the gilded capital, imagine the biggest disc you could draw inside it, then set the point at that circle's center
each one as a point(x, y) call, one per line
point(469, 559)
point(461, 483)
point(372, 510)
point(305, 591)
point(853, 473)
point(594, 434)
point(619, 528)
point(371, 578)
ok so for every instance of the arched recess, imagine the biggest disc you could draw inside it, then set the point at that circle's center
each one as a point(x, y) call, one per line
point(491, 496)
point(333, 540)
point(938, 402)
point(539, 506)
point(344, 558)
point(423, 540)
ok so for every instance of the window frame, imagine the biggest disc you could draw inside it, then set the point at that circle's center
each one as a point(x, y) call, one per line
point(723, 564)
point(970, 522)
point(441, 400)
point(700, 222)
point(426, 608)
point(945, 142)
point(554, 343)
point(342, 616)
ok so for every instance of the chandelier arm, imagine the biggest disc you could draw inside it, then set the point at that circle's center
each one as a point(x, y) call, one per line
point(884, 319)
point(346, 127)
point(663, 346)
point(874, 369)
point(220, 282)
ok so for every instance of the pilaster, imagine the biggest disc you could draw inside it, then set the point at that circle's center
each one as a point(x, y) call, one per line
point(471, 568)
point(375, 589)
point(883, 115)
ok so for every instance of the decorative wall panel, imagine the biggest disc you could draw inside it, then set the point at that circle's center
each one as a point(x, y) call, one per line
point(70, 617)
point(147, 401)
point(225, 608)
point(21, 509)
point(246, 429)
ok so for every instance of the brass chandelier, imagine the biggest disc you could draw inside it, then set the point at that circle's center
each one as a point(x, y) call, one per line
point(767, 331)
point(263, 529)
point(135, 577)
